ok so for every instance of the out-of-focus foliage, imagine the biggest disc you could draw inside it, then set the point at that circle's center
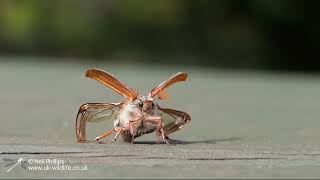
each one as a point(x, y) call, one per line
point(253, 33)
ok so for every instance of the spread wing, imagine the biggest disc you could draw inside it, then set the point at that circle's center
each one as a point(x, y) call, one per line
point(173, 120)
point(94, 112)
point(112, 82)
point(173, 79)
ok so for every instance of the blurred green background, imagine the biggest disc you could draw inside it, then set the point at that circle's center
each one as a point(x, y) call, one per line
point(259, 34)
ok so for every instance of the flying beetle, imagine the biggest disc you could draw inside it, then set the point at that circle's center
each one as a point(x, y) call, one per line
point(136, 115)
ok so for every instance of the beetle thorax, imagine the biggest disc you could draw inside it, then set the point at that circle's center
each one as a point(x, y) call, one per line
point(130, 112)
point(135, 111)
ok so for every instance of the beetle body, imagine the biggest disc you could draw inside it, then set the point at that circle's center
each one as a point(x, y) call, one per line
point(136, 115)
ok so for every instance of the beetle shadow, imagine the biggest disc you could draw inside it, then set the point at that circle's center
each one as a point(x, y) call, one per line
point(209, 141)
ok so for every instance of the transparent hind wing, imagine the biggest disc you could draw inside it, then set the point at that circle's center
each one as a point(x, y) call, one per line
point(99, 115)
point(94, 112)
point(173, 120)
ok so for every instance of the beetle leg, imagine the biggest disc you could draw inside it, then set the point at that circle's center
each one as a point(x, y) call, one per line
point(133, 128)
point(158, 121)
point(103, 135)
point(132, 131)
point(118, 132)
